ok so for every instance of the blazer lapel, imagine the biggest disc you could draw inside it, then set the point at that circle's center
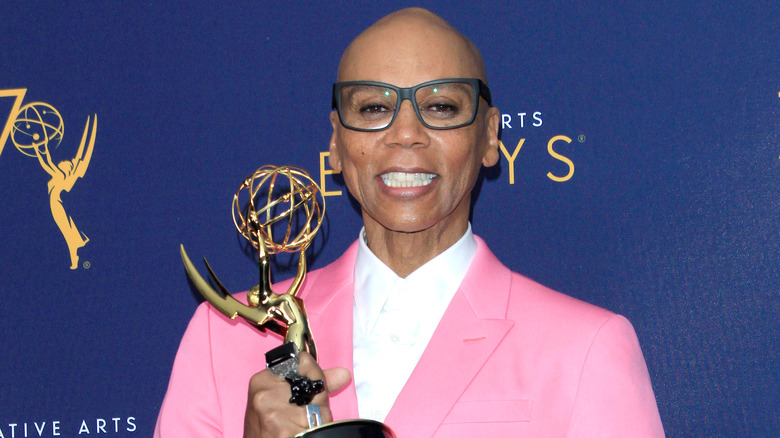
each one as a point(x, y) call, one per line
point(328, 296)
point(471, 328)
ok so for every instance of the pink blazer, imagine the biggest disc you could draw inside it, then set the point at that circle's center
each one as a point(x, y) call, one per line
point(509, 358)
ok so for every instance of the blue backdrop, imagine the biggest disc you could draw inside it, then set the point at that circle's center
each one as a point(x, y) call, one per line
point(640, 171)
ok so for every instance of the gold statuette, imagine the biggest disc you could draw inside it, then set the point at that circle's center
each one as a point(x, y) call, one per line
point(266, 201)
point(296, 201)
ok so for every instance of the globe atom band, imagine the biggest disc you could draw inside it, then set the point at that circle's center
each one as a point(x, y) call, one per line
point(38, 126)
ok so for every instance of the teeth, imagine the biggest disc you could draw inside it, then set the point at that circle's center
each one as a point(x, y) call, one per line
point(402, 179)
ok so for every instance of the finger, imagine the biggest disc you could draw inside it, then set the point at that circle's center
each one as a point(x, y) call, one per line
point(337, 378)
point(308, 367)
point(265, 380)
point(268, 411)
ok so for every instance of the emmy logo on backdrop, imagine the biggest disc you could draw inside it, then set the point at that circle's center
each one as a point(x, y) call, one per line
point(266, 201)
point(37, 128)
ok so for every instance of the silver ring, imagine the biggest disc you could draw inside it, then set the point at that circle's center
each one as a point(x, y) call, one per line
point(287, 368)
point(282, 361)
point(313, 415)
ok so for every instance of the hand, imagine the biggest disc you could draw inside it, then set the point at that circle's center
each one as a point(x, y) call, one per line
point(269, 412)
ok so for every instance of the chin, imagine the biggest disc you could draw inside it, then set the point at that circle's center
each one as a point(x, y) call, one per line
point(410, 226)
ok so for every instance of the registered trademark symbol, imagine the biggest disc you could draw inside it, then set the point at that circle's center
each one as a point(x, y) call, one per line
point(581, 138)
point(87, 265)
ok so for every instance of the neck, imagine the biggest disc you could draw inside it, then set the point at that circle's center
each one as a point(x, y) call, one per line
point(404, 252)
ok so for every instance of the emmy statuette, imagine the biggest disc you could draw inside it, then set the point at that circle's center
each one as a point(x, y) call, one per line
point(289, 195)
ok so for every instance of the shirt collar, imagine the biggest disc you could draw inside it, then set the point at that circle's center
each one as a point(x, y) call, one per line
point(439, 279)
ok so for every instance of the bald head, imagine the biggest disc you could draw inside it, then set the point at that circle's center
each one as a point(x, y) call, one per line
point(414, 44)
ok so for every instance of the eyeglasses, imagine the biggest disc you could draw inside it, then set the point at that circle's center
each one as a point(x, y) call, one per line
point(439, 104)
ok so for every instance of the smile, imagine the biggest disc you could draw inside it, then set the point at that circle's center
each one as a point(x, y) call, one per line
point(402, 179)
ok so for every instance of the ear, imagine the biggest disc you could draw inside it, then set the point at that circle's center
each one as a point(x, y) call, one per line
point(333, 157)
point(493, 117)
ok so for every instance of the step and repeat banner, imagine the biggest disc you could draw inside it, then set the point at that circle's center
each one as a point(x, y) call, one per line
point(639, 171)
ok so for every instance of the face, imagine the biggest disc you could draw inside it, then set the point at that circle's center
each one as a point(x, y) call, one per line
point(409, 178)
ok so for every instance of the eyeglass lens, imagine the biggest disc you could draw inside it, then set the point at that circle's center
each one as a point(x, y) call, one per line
point(442, 105)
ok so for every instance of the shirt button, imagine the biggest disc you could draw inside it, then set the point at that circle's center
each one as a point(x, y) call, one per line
point(395, 338)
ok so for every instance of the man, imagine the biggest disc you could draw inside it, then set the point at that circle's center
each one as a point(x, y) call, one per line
point(418, 324)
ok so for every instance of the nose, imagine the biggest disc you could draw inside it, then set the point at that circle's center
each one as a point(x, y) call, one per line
point(406, 130)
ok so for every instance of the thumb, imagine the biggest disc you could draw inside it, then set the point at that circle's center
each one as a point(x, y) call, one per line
point(337, 378)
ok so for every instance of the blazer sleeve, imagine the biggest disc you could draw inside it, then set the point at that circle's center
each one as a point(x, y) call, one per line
point(614, 396)
point(191, 405)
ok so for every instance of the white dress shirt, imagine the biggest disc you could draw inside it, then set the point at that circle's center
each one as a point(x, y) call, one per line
point(394, 318)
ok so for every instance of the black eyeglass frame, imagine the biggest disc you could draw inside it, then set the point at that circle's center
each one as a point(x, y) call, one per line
point(477, 85)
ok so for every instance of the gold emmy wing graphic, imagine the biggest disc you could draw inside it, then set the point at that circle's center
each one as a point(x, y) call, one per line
point(37, 128)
